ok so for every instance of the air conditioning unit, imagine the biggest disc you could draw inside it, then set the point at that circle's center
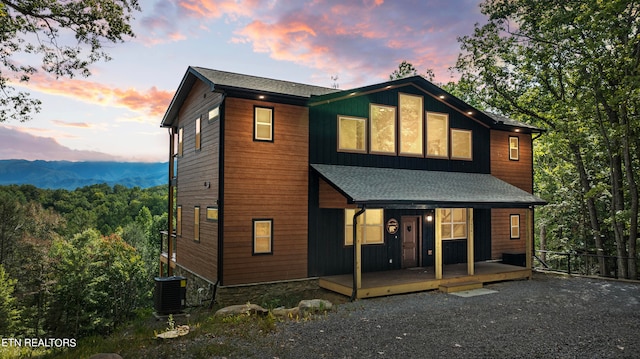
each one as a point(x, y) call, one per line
point(170, 295)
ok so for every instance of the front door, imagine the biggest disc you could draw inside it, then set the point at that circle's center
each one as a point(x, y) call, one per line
point(410, 235)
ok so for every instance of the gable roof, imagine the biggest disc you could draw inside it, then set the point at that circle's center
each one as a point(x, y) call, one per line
point(239, 85)
point(490, 120)
point(404, 188)
point(248, 86)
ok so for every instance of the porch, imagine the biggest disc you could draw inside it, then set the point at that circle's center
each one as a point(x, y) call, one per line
point(378, 284)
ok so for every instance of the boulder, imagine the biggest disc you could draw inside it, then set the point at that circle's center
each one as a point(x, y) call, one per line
point(314, 305)
point(291, 313)
point(241, 309)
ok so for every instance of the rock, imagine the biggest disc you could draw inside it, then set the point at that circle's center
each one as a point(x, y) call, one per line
point(241, 309)
point(286, 313)
point(314, 305)
point(178, 332)
point(105, 356)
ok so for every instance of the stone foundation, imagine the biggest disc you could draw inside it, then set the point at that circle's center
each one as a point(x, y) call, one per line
point(200, 291)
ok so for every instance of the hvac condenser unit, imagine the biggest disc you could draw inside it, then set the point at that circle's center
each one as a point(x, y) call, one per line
point(170, 295)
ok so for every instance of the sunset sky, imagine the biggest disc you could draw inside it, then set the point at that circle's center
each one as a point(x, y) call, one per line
point(115, 114)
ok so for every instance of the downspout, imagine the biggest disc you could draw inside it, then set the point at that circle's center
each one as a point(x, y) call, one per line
point(170, 205)
point(354, 291)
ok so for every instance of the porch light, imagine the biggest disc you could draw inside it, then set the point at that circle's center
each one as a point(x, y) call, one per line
point(429, 218)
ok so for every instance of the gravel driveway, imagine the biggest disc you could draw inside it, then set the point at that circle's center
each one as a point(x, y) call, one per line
point(546, 317)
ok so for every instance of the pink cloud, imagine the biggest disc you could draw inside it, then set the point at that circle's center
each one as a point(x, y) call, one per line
point(152, 102)
point(364, 40)
point(71, 124)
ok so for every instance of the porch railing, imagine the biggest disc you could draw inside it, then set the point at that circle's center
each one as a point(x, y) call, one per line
point(164, 246)
point(574, 262)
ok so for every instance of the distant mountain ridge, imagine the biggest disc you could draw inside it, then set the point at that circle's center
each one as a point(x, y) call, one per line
point(71, 175)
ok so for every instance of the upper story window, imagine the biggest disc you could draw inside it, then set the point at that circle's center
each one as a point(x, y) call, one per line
point(382, 129)
point(214, 114)
point(411, 122)
point(198, 142)
point(461, 146)
point(180, 141)
point(453, 223)
point(352, 134)
point(263, 124)
point(437, 135)
point(514, 148)
point(370, 226)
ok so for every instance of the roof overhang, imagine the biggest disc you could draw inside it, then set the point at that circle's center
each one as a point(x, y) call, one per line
point(420, 189)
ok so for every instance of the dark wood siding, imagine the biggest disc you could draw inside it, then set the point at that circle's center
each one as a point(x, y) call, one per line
point(266, 180)
point(195, 167)
point(323, 134)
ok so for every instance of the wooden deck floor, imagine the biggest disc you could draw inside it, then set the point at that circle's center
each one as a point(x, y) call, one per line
point(377, 284)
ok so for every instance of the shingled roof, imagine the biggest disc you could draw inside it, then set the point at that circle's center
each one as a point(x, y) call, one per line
point(240, 85)
point(404, 188)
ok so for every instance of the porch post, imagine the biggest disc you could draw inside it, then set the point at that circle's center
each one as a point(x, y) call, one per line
point(438, 244)
point(470, 245)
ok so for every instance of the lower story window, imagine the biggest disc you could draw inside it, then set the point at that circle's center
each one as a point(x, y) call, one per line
point(196, 224)
point(262, 236)
point(370, 226)
point(453, 223)
point(515, 226)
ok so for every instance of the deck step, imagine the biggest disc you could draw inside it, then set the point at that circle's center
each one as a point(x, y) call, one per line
point(459, 287)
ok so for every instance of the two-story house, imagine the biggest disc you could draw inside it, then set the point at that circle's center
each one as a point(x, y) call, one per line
point(388, 188)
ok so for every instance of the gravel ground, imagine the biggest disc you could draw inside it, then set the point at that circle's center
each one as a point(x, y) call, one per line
point(546, 317)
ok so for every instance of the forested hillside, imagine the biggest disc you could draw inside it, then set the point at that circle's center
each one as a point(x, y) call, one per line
point(77, 263)
point(72, 175)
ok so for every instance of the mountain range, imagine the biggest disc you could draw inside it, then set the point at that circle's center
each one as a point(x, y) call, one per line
point(71, 175)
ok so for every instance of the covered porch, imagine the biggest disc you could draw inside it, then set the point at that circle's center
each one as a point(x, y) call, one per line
point(383, 283)
point(434, 192)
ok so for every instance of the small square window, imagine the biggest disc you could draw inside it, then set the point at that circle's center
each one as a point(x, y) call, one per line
point(262, 236)
point(515, 226)
point(214, 114)
point(263, 124)
point(212, 213)
point(514, 148)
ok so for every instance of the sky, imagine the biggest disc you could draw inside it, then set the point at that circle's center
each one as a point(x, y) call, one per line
point(115, 113)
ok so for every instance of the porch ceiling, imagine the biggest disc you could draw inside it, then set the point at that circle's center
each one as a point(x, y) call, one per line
point(404, 188)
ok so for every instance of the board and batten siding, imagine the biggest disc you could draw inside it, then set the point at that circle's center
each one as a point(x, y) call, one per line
point(265, 180)
point(194, 169)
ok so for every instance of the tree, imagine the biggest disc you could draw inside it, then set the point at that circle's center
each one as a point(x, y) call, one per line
point(406, 69)
point(42, 28)
point(11, 225)
point(9, 314)
point(573, 68)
